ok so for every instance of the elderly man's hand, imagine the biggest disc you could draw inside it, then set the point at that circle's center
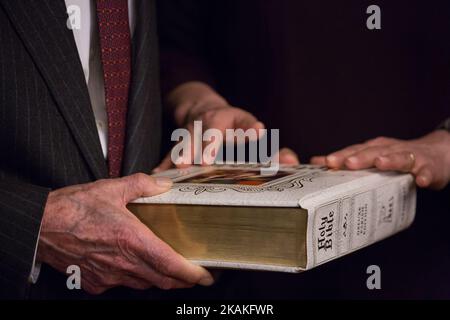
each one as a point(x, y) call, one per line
point(89, 225)
point(427, 158)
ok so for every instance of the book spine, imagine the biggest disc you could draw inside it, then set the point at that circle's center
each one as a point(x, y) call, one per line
point(347, 222)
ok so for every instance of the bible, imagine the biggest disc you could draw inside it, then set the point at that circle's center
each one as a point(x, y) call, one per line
point(289, 220)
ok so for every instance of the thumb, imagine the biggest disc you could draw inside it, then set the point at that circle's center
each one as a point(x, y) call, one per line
point(142, 185)
point(288, 157)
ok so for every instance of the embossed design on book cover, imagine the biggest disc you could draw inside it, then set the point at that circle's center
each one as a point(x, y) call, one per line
point(245, 180)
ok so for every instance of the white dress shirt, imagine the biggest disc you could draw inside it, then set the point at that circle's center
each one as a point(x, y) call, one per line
point(88, 45)
point(86, 39)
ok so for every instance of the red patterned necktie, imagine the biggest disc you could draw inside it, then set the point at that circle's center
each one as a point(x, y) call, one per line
point(115, 45)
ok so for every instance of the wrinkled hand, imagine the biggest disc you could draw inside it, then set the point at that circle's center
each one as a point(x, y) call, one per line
point(89, 225)
point(427, 158)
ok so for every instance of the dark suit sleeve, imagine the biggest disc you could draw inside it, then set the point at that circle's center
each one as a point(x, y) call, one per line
point(21, 209)
point(183, 29)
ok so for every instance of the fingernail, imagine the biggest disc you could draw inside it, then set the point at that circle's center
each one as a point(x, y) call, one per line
point(156, 170)
point(163, 182)
point(331, 159)
point(259, 125)
point(290, 158)
point(206, 281)
point(353, 160)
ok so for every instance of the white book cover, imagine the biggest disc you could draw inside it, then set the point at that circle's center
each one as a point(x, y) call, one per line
point(347, 210)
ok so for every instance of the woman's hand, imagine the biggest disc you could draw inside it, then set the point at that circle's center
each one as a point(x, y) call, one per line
point(427, 158)
point(196, 101)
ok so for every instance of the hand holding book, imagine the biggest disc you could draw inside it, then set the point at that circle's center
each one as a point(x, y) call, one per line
point(89, 226)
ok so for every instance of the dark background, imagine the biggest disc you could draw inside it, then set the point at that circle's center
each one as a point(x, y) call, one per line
point(313, 70)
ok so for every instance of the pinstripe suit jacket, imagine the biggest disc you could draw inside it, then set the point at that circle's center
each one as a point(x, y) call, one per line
point(48, 136)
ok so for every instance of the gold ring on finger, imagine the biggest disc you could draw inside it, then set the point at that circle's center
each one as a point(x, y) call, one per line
point(413, 160)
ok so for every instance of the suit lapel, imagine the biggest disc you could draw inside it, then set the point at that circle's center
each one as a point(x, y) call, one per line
point(42, 27)
point(144, 109)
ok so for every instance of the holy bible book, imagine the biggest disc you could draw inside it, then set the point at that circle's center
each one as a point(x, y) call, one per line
point(290, 220)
